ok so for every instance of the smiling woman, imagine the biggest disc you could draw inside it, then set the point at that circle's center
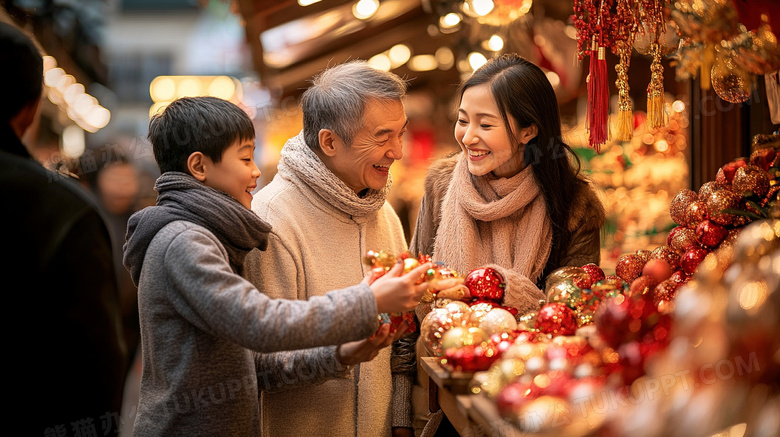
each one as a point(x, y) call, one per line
point(513, 198)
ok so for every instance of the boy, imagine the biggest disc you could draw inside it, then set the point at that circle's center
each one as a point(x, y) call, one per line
point(200, 319)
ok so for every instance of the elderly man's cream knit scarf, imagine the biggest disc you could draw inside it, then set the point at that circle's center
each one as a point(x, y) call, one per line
point(299, 163)
point(494, 221)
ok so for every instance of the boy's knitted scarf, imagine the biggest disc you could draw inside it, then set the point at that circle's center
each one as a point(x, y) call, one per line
point(182, 197)
point(301, 165)
point(499, 222)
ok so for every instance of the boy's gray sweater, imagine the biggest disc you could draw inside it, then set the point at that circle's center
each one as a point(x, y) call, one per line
point(199, 323)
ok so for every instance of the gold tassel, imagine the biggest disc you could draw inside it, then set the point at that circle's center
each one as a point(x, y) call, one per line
point(655, 90)
point(625, 126)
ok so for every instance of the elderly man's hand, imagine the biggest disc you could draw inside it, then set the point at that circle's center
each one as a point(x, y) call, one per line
point(396, 293)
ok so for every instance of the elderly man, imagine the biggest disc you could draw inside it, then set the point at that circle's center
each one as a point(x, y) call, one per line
point(327, 205)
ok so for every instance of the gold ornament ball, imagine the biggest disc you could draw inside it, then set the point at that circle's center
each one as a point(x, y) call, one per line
point(720, 200)
point(410, 264)
point(706, 190)
point(751, 178)
point(498, 320)
point(730, 82)
point(526, 321)
point(695, 213)
point(679, 205)
point(460, 336)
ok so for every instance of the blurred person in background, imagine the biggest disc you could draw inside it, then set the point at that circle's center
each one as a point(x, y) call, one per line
point(116, 185)
point(67, 371)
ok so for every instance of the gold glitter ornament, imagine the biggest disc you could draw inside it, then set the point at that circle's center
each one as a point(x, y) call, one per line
point(667, 254)
point(526, 321)
point(643, 255)
point(719, 201)
point(730, 82)
point(695, 213)
point(629, 267)
point(684, 240)
point(707, 189)
point(679, 205)
point(751, 178)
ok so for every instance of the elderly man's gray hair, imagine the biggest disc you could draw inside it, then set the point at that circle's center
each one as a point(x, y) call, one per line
point(337, 99)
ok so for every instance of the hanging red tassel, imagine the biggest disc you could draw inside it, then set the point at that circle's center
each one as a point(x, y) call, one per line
point(598, 98)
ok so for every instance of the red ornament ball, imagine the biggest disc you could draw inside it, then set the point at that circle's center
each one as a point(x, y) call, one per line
point(691, 259)
point(665, 291)
point(485, 284)
point(658, 269)
point(556, 318)
point(642, 285)
point(595, 272)
point(628, 267)
point(710, 234)
point(471, 358)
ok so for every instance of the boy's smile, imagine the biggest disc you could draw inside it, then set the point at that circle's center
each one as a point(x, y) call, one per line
point(236, 173)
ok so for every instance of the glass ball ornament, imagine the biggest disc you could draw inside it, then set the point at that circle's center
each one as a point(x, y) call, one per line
point(498, 320)
point(460, 336)
point(730, 82)
point(433, 327)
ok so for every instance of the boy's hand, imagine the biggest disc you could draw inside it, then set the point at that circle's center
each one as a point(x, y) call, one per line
point(366, 350)
point(395, 293)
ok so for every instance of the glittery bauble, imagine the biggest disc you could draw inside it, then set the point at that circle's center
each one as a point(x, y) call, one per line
point(751, 178)
point(680, 204)
point(658, 269)
point(683, 240)
point(470, 358)
point(433, 327)
point(460, 336)
point(498, 320)
point(478, 312)
point(763, 158)
point(628, 267)
point(574, 275)
point(705, 21)
point(710, 234)
point(643, 255)
point(556, 318)
point(457, 306)
point(610, 286)
point(691, 259)
point(665, 291)
point(719, 201)
point(642, 285)
point(667, 254)
point(566, 293)
point(485, 283)
point(595, 272)
point(695, 213)
point(707, 189)
point(730, 240)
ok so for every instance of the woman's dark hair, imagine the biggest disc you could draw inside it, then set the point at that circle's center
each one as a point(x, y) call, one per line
point(521, 90)
point(196, 124)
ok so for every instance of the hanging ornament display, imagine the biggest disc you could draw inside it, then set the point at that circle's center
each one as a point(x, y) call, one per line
point(704, 23)
point(652, 11)
point(627, 24)
point(595, 27)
